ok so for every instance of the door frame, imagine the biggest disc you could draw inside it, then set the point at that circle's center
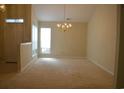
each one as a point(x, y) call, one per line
point(117, 77)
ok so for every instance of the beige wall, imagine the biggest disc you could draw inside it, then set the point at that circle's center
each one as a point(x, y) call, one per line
point(2, 26)
point(67, 44)
point(101, 41)
point(34, 17)
point(14, 34)
point(34, 22)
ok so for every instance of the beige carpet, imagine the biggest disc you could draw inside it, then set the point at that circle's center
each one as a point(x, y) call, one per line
point(58, 73)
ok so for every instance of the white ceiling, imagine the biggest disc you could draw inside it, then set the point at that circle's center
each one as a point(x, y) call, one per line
point(76, 12)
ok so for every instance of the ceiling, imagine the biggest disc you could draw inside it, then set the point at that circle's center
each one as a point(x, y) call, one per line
point(55, 12)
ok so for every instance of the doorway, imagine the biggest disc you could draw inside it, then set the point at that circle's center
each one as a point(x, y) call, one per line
point(45, 41)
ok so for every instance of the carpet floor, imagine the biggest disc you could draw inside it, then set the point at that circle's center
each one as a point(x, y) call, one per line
point(52, 73)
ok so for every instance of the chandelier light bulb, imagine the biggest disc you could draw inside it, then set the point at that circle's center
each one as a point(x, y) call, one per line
point(2, 7)
point(63, 26)
point(70, 25)
point(58, 25)
point(65, 23)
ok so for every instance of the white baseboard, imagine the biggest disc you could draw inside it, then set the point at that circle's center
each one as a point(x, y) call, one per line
point(70, 57)
point(102, 67)
point(73, 57)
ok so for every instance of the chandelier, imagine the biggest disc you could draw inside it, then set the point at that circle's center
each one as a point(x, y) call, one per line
point(65, 26)
point(2, 8)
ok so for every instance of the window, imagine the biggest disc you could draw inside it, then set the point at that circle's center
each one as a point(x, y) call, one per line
point(34, 39)
point(45, 37)
point(14, 21)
